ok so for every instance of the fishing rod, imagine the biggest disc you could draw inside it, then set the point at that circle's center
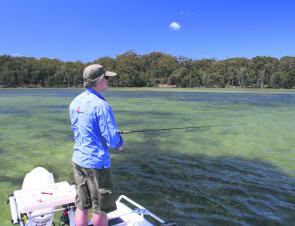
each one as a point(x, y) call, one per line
point(173, 128)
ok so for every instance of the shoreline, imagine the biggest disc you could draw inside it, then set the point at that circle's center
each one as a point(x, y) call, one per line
point(161, 89)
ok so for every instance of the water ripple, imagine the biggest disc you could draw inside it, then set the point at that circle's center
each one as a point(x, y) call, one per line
point(203, 190)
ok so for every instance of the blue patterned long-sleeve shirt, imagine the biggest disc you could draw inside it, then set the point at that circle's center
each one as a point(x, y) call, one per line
point(95, 130)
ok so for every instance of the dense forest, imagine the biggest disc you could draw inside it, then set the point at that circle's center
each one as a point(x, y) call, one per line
point(153, 70)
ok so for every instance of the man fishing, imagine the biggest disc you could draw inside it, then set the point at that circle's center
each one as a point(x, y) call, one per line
point(95, 132)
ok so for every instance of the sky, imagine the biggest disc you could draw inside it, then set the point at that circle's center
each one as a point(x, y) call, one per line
point(85, 30)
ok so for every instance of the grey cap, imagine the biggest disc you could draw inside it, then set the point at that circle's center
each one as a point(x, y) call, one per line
point(95, 73)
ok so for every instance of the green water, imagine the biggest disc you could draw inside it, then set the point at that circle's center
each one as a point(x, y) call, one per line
point(241, 174)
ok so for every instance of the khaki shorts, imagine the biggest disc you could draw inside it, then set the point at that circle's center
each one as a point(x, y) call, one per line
point(94, 189)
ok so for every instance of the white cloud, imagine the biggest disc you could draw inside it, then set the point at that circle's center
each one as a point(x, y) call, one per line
point(174, 26)
point(15, 54)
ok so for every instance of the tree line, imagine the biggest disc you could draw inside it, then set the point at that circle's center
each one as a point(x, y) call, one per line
point(153, 70)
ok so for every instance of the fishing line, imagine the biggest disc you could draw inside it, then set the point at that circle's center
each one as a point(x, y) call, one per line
point(173, 128)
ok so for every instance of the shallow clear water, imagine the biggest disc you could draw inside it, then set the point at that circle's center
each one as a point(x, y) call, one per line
point(242, 174)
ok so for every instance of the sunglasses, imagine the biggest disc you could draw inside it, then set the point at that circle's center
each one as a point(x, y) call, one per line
point(106, 77)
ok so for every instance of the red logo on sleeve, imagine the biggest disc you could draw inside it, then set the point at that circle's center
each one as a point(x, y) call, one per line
point(78, 109)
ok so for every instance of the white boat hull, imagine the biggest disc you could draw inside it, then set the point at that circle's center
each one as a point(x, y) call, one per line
point(39, 198)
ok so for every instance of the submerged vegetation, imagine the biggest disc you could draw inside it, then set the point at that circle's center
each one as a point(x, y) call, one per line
point(234, 175)
point(153, 70)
